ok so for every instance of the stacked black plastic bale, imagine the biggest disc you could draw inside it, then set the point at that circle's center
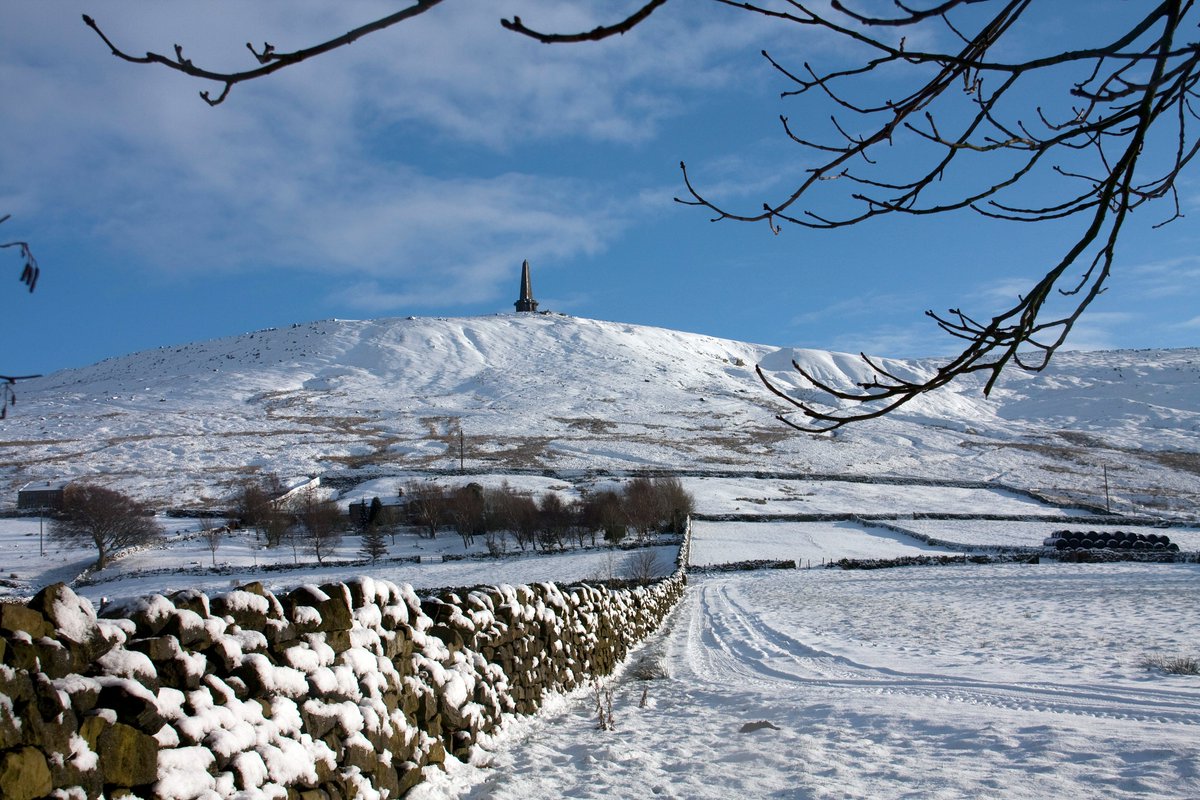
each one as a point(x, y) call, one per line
point(1074, 541)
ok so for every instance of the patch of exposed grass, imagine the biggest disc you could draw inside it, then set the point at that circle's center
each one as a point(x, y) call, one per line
point(1171, 665)
point(1175, 459)
point(589, 424)
point(650, 667)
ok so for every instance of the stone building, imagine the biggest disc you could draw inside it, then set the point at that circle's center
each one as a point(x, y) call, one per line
point(47, 495)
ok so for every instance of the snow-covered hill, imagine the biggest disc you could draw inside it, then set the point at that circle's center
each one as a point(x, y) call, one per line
point(545, 391)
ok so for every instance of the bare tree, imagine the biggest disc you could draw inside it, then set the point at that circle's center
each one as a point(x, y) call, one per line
point(643, 509)
point(554, 520)
point(293, 534)
point(106, 518)
point(1117, 135)
point(524, 519)
point(656, 504)
point(578, 523)
point(256, 504)
point(268, 60)
point(604, 511)
point(676, 504)
point(211, 534)
point(467, 511)
point(426, 504)
point(642, 566)
point(322, 523)
point(503, 517)
point(1085, 134)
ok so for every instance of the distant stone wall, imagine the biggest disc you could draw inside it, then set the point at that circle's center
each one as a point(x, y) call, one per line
point(344, 690)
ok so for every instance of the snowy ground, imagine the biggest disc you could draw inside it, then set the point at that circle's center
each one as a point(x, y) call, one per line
point(567, 567)
point(1007, 681)
point(180, 425)
point(814, 543)
point(1015, 681)
point(184, 561)
point(766, 496)
point(976, 533)
point(807, 543)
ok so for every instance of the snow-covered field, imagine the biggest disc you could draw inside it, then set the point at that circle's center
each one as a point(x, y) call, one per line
point(30, 557)
point(714, 541)
point(184, 561)
point(1009, 681)
point(744, 495)
point(977, 533)
point(807, 543)
point(570, 567)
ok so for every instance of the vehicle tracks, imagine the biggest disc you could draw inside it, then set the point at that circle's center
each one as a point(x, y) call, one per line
point(729, 643)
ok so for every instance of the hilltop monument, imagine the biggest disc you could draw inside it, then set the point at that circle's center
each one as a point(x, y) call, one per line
point(526, 301)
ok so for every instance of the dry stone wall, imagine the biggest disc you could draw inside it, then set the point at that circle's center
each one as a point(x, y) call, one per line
point(344, 690)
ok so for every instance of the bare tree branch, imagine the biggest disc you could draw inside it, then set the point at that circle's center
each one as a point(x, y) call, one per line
point(29, 276)
point(270, 60)
point(596, 34)
point(1144, 81)
point(30, 271)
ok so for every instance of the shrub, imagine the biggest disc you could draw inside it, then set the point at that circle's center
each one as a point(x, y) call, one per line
point(1172, 665)
point(642, 566)
point(650, 667)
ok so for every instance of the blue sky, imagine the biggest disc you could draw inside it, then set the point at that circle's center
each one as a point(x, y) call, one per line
point(411, 173)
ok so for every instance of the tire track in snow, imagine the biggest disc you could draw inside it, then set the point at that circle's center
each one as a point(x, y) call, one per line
point(728, 643)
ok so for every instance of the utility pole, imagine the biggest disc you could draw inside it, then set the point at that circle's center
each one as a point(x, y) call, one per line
point(461, 450)
point(1107, 503)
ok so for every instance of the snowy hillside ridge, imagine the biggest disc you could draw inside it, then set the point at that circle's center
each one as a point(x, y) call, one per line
point(180, 425)
point(349, 688)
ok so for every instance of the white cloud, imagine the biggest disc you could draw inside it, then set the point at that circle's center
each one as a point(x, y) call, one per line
point(1099, 330)
point(320, 167)
point(1002, 292)
point(917, 340)
point(1165, 278)
point(866, 305)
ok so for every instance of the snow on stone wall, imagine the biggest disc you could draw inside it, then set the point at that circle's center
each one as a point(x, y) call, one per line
point(346, 688)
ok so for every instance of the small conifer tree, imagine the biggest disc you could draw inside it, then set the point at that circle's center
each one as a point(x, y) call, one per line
point(374, 546)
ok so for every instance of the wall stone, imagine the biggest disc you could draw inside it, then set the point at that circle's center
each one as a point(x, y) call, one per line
point(323, 691)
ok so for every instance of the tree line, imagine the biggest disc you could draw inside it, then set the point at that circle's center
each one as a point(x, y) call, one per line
point(642, 506)
point(110, 520)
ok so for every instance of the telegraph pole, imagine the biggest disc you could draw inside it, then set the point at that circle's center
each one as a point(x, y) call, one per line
point(1107, 503)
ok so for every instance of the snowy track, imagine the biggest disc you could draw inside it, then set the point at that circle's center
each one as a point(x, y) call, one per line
point(992, 681)
point(730, 644)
